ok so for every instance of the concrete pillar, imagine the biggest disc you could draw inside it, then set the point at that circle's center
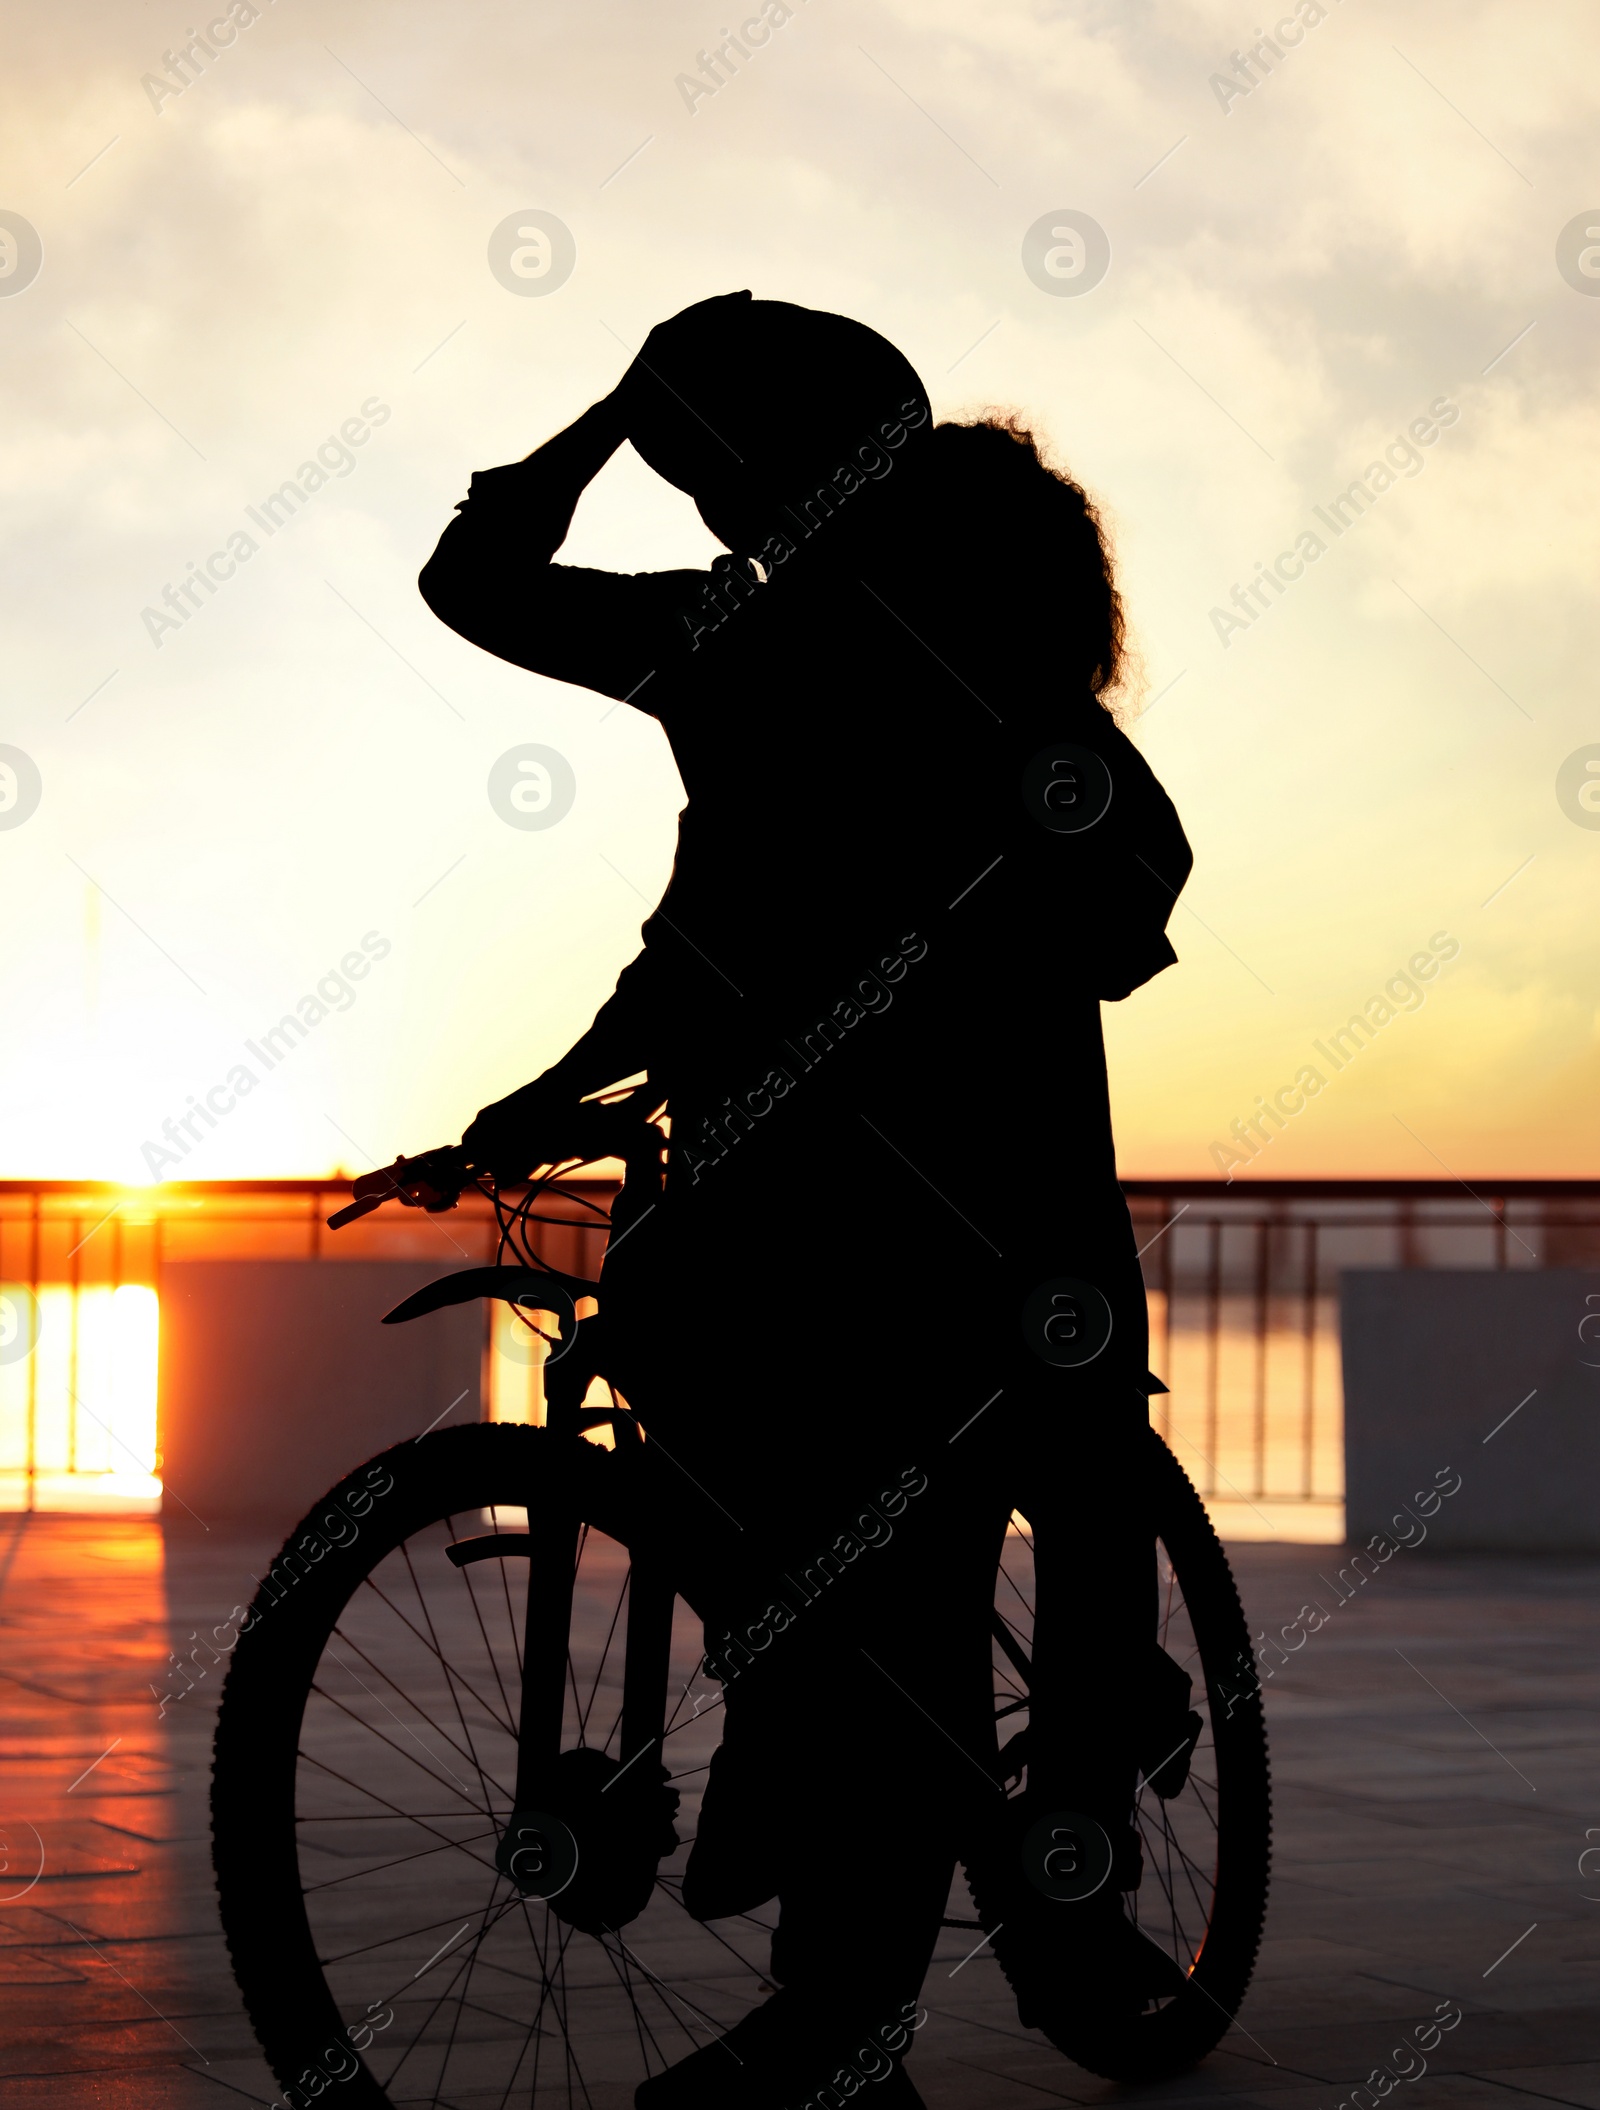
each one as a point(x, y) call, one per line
point(1486, 1378)
point(277, 1379)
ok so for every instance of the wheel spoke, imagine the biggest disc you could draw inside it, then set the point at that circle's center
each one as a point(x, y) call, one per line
point(456, 1970)
point(535, 2033)
point(423, 1853)
point(393, 1809)
point(534, 2036)
point(1191, 1869)
point(1007, 1577)
point(505, 1716)
point(438, 1728)
point(668, 1996)
point(450, 2041)
point(624, 1976)
point(1163, 1876)
point(373, 1730)
point(449, 1673)
point(388, 1941)
point(432, 1647)
point(722, 1940)
point(511, 1617)
point(585, 1707)
point(676, 1728)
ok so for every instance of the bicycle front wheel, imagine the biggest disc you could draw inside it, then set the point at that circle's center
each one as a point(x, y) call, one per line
point(364, 1770)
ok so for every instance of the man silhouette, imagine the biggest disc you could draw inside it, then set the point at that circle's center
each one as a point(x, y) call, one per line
point(916, 854)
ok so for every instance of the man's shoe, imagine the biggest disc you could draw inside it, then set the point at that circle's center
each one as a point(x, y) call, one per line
point(1066, 1954)
point(1100, 1965)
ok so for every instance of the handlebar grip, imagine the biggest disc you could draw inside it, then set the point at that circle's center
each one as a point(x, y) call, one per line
point(352, 1210)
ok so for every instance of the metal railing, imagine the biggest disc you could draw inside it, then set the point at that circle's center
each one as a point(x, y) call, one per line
point(81, 1267)
point(1242, 1282)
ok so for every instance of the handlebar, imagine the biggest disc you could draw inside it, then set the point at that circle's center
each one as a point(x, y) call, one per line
point(433, 1181)
point(436, 1180)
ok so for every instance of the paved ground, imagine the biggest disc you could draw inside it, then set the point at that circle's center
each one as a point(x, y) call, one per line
point(1438, 1778)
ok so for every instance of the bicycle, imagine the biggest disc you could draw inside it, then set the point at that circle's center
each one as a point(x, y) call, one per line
point(446, 1813)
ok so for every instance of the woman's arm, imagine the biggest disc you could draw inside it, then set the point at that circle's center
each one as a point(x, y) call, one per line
point(492, 581)
point(535, 497)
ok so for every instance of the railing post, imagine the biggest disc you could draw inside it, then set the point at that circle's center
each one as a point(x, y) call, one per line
point(1168, 1277)
point(1308, 1380)
point(75, 1305)
point(36, 1317)
point(1213, 1347)
point(1263, 1290)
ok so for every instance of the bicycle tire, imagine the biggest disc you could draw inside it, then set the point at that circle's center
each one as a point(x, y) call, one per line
point(314, 1646)
point(1218, 1956)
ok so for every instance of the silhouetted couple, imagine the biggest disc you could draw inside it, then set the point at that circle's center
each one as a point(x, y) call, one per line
point(916, 854)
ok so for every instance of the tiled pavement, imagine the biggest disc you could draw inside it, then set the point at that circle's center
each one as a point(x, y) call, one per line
point(1437, 1759)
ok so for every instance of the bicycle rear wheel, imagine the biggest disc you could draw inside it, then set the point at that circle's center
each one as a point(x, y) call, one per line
point(1206, 1850)
point(364, 1767)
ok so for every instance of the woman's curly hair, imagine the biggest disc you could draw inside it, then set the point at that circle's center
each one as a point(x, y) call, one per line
point(1030, 526)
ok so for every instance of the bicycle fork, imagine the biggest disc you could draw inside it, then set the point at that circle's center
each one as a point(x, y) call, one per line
point(551, 1573)
point(583, 1822)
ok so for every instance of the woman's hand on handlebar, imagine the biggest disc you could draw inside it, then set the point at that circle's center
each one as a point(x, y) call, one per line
point(542, 1124)
point(512, 1136)
point(547, 1123)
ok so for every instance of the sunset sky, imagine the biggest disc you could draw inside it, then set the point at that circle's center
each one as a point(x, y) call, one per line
point(297, 244)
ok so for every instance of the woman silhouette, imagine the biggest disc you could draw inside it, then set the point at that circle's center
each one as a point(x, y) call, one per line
point(916, 854)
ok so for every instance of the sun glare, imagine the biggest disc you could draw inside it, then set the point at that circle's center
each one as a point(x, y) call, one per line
point(78, 1372)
